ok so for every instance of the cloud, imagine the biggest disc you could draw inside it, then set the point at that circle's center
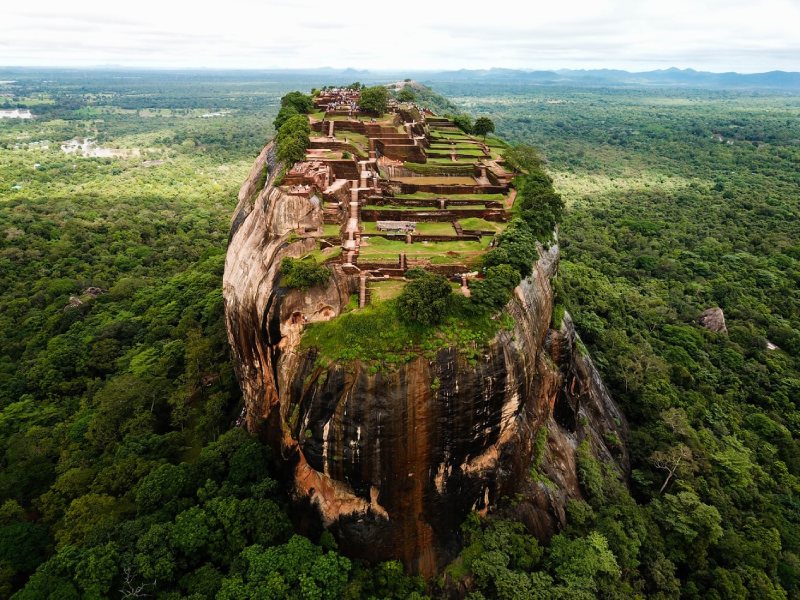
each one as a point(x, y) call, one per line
point(744, 35)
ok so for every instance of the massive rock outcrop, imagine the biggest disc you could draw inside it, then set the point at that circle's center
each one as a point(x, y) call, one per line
point(393, 461)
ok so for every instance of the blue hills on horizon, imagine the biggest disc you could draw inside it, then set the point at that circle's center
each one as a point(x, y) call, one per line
point(673, 76)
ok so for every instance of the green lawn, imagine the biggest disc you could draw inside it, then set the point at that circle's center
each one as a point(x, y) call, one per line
point(378, 249)
point(433, 195)
point(376, 334)
point(433, 180)
point(385, 290)
point(457, 146)
point(321, 255)
point(399, 207)
point(482, 224)
point(409, 208)
point(441, 228)
point(449, 161)
point(331, 229)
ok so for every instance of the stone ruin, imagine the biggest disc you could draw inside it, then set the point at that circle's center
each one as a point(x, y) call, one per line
point(383, 177)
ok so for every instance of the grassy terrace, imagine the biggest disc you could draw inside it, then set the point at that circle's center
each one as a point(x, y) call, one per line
point(475, 223)
point(447, 147)
point(408, 207)
point(449, 161)
point(377, 335)
point(329, 229)
point(325, 254)
point(385, 290)
point(494, 142)
point(433, 195)
point(381, 250)
point(358, 140)
point(432, 180)
point(441, 228)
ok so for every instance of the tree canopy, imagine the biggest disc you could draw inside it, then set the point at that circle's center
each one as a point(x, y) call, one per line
point(374, 100)
point(425, 299)
point(483, 126)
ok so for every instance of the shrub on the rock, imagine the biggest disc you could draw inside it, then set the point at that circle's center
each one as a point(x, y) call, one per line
point(426, 299)
point(303, 274)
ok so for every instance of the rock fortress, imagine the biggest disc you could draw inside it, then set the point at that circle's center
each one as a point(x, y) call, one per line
point(392, 444)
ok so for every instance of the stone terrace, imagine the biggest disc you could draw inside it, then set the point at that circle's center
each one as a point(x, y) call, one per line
point(406, 189)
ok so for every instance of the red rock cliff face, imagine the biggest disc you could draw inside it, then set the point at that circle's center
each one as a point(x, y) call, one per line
point(392, 462)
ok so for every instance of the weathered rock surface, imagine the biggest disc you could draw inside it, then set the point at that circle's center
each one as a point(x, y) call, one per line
point(713, 319)
point(393, 461)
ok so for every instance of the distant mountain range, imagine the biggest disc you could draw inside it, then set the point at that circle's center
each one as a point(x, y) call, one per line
point(611, 77)
point(673, 77)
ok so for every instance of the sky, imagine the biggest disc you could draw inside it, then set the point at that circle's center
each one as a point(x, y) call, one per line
point(712, 35)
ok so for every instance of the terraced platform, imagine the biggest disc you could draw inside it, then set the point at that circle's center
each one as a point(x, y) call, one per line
point(402, 190)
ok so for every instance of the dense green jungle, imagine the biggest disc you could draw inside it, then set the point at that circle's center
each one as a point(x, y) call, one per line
point(123, 474)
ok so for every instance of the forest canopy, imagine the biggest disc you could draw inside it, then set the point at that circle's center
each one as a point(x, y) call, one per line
point(122, 467)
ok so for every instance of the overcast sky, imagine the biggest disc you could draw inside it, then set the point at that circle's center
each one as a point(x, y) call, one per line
point(714, 35)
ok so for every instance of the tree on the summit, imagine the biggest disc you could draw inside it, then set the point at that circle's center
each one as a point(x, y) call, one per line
point(374, 100)
point(293, 103)
point(483, 126)
point(463, 122)
point(425, 299)
point(406, 95)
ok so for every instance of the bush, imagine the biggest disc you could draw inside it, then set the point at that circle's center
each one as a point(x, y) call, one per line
point(406, 95)
point(374, 100)
point(303, 274)
point(516, 247)
point(284, 114)
point(483, 126)
point(301, 102)
point(493, 292)
point(293, 103)
point(463, 122)
point(293, 139)
point(426, 299)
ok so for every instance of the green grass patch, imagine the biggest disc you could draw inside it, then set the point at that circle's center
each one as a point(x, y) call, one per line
point(449, 168)
point(385, 290)
point(437, 180)
point(427, 209)
point(494, 142)
point(376, 335)
point(482, 224)
point(323, 254)
point(448, 135)
point(449, 161)
point(457, 146)
point(404, 207)
point(329, 229)
point(382, 250)
point(433, 195)
point(445, 228)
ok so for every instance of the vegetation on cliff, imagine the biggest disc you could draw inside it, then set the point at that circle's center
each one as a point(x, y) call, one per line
point(303, 274)
point(293, 104)
point(292, 139)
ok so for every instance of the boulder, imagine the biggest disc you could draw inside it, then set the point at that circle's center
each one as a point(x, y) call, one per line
point(713, 319)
